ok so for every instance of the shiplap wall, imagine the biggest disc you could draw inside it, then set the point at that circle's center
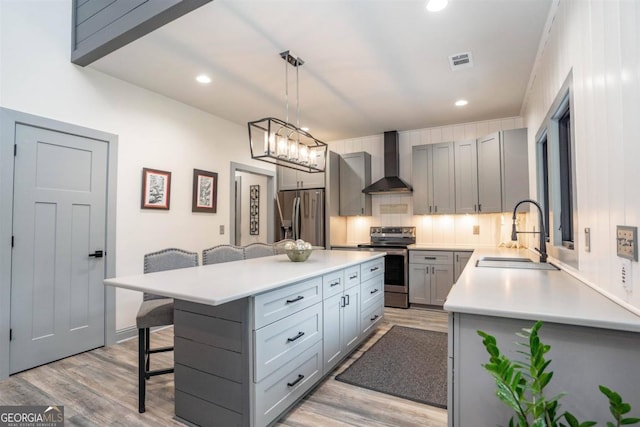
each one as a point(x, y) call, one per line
point(445, 229)
point(600, 42)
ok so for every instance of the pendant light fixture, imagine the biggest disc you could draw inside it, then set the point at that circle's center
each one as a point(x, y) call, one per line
point(282, 143)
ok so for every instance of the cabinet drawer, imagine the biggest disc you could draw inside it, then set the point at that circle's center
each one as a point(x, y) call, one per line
point(275, 305)
point(332, 284)
point(351, 276)
point(280, 342)
point(371, 290)
point(281, 389)
point(430, 257)
point(371, 268)
point(371, 317)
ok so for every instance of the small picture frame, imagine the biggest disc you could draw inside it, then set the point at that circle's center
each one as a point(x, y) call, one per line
point(156, 189)
point(205, 191)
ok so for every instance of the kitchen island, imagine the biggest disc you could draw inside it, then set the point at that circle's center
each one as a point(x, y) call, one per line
point(253, 337)
point(593, 340)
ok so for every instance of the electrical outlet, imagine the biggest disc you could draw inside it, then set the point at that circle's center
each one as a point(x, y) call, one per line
point(222, 229)
point(627, 242)
point(476, 229)
point(625, 274)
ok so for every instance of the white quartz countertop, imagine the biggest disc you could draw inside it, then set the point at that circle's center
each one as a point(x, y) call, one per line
point(217, 284)
point(551, 296)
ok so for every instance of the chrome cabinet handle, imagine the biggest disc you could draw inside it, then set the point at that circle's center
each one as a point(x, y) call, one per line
point(292, 339)
point(289, 301)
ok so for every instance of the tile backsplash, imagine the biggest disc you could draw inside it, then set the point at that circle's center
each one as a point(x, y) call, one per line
point(494, 229)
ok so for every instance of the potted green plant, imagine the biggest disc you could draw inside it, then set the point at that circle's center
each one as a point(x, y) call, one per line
point(521, 386)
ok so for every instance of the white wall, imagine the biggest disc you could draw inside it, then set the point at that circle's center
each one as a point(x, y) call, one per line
point(600, 42)
point(154, 131)
point(437, 229)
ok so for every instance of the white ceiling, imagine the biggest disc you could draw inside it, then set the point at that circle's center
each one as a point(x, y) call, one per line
point(370, 65)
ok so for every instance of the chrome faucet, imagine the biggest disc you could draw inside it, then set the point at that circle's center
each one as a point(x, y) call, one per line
point(543, 235)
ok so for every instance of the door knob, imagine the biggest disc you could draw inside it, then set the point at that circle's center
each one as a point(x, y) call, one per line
point(97, 254)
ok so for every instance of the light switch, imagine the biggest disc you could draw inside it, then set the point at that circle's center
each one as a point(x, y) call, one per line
point(587, 239)
point(222, 229)
point(627, 242)
point(476, 229)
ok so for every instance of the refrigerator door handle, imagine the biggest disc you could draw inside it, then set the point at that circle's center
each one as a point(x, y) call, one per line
point(296, 218)
point(293, 219)
point(305, 204)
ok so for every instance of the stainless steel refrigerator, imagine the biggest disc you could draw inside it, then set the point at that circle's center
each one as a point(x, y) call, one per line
point(300, 215)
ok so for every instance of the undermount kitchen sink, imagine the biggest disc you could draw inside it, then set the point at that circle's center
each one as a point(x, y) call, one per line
point(510, 262)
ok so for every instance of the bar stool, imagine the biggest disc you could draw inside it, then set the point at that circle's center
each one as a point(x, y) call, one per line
point(156, 310)
point(257, 250)
point(222, 253)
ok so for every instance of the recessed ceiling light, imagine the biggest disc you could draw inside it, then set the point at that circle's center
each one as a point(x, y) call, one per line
point(203, 78)
point(436, 5)
point(304, 128)
point(461, 102)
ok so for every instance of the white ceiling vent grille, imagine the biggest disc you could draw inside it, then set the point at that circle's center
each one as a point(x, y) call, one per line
point(460, 61)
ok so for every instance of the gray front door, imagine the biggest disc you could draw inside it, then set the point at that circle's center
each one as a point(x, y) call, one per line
point(57, 296)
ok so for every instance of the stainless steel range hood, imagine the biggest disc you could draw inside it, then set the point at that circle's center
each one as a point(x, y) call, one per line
point(391, 183)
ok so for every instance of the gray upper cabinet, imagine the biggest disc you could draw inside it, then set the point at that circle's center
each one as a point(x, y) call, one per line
point(291, 179)
point(489, 176)
point(466, 167)
point(515, 169)
point(433, 178)
point(491, 172)
point(355, 175)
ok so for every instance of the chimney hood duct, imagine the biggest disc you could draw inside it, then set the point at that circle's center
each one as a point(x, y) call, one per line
point(391, 183)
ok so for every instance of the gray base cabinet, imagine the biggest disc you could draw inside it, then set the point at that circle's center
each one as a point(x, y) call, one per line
point(247, 362)
point(581, 358)
point(430, 276)
point(461, 258)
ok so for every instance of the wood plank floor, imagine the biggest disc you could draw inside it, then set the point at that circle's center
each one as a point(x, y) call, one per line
point(99, 388)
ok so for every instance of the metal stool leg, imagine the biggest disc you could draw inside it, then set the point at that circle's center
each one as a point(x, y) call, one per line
point(147, 337)
point(141, 369)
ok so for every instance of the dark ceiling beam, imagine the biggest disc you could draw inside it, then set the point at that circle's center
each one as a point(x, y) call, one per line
point(100, 27)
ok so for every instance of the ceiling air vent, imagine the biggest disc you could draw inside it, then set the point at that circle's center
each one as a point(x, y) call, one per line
point(461, 60)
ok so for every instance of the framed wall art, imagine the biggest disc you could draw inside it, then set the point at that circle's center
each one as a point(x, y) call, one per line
point(254, 210)
point(205, 191)
point(156, 189)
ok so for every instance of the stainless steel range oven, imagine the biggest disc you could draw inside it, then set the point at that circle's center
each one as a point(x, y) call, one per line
point(394, 241)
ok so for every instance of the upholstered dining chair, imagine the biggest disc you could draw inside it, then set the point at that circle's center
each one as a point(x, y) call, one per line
point(155, 311)
point(222, 253)
point(257, 250)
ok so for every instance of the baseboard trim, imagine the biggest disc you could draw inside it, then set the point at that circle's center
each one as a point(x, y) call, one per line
point(126, 334)
point(132, 332)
